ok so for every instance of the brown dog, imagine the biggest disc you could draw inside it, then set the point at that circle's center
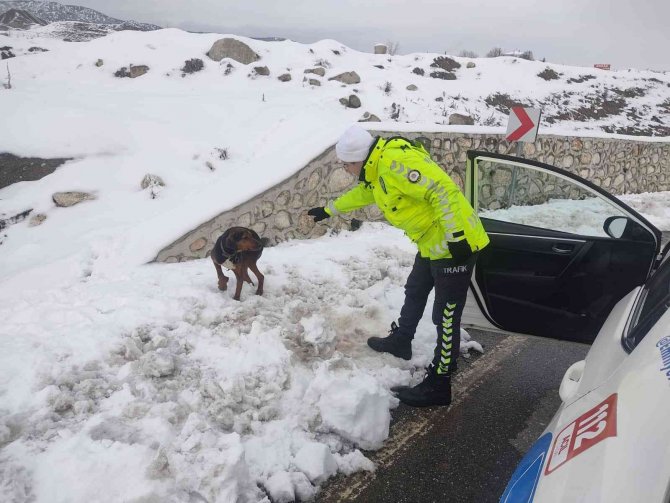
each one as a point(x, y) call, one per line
point(238, 249)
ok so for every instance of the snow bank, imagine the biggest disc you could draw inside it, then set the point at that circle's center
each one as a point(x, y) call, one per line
point(159, 380)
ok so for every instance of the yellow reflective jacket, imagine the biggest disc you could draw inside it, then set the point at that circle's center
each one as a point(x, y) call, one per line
point(415, 195)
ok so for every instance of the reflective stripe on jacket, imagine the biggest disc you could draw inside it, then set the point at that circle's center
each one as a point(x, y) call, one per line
point(415, 195)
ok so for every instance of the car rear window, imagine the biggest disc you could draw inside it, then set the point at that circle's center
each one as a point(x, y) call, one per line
point(654, 302)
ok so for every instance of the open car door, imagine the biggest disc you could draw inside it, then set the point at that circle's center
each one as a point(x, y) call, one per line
point(563, 251)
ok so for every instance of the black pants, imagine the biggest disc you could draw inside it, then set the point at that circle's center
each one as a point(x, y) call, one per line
point(451, 281)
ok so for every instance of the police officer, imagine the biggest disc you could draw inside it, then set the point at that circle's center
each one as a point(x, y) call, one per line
point(417, 196)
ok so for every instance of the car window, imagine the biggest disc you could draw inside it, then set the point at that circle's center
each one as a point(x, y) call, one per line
point(523, 194)
point(654, 302)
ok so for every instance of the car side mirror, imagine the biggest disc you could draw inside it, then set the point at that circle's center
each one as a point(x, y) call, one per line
point(615, 226)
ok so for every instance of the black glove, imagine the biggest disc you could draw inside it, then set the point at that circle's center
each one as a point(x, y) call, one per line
point(318, 213)
point(460, 250)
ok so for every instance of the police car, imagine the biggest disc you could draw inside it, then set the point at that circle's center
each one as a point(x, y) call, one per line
point(567, 260)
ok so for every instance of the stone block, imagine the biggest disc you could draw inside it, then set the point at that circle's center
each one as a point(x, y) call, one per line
point(66, 199)
point(233, 49)
point(319, 70)
point(267, 208)
point(313, 180)
point(282, 220)
point(347, 78)
point(259, 227)
point(244, 220)
point(198, 244)
point(283, 198)
point(339, 180)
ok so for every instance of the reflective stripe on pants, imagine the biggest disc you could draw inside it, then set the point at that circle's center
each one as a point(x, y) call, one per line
point(451, 281)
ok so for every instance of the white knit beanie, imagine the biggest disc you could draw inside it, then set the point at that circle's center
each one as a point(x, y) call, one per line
point(354, 144)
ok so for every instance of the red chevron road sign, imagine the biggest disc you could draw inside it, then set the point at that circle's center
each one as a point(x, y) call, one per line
point(523, 124)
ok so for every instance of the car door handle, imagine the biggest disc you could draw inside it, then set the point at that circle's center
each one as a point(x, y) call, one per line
point(563, 248)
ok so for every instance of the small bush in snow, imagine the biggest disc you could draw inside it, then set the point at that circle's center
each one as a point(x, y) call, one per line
point(387, 88)
point(392, 48)
point(396, 111)
point(631, 92)
point(445, 63)
point(418, 71)
point(443, 75)
point(580, 79)
point(122, 73)
point(468, 54)
point(548, 74)
point(6, 53)
point(494, 53)
point(322, 62)
point(154, 183)
point(527, 55)
point(491, 120)
point(229, 69)
point(222, 152)
point(193, 65)
point(502, 102)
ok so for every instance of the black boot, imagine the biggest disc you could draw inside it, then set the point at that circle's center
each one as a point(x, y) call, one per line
point(399, 387)
point(435, 389)
point(396, 343)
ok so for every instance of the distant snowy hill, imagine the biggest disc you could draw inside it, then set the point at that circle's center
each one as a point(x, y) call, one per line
point(54, 12)
point(70, 23)
point(19, 19)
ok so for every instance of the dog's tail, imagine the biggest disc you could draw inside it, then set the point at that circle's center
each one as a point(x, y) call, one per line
point(265, 242)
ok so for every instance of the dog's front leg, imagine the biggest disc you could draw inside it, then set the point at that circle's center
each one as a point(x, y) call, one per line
point(240, 282)
point(223, 280)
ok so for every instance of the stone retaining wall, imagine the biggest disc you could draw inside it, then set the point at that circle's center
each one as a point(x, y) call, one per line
point(619, 166)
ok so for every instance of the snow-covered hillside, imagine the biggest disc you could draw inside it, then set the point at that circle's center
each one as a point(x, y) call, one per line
point(121, 381)
point(170, 123)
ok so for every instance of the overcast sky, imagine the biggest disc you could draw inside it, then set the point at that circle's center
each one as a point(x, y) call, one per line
point(625, 33)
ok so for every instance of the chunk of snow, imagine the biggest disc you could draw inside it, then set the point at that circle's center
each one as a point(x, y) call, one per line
point(280, 488)
point(316, 461)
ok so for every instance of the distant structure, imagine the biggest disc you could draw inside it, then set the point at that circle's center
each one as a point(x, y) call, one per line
point(381, 48)
point(602, 66)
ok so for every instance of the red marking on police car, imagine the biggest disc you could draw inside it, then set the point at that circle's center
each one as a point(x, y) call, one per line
point(583, 433)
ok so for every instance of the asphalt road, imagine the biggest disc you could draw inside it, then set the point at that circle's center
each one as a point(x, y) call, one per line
point(502, 402)
point(19, 169)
